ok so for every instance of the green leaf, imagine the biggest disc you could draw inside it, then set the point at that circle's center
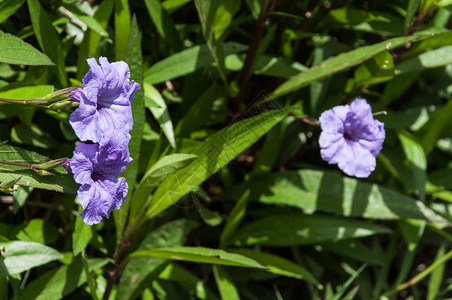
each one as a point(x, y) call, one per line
point(412, 8)
point(122, 28)
point(234, 219)
point(327, 191)
point(33, 135)
point(437, 276)
point(418, 162)
point(213, 154)
point(81, 236)
point(225, 11)
point(164, 24)
point(186, 62)
point(59, 282)
point(341, 62)
point(15, 51)
point(60, 182)
point(437, 126)
point(135, 61)
point(299, 229)
point(8, 8)
point(278, 265)
point(172, 5)
point(160, 113)
point(376, 70)
point(26, 92)
point(89, 21)
point(226, 287)
point(141, 270)
point(164, 167)
point(187, 279)
point(47, 37)
point(201, 255)
point(354, 250)
point(91, 39)
point(430, 59)
point(38, 231)
point(18, 256)
point(206, 13)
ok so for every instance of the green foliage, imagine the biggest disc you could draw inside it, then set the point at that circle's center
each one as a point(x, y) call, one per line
point(228, 197)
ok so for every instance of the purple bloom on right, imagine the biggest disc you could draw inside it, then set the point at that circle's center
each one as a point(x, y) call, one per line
point(351, 138)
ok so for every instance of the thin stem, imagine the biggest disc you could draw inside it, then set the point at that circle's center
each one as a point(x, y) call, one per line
point(419, 276)
point(16, 164)
point(91, 285)
point(235, 103)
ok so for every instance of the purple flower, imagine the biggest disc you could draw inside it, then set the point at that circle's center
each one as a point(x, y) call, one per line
point(104, 101)
point(351, 138)
point(96, 168)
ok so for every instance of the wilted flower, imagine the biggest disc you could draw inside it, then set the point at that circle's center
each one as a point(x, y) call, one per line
point(104, 101)
point(95, 168)
point(351, 138)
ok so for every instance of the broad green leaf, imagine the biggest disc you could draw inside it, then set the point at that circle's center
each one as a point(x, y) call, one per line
point(13, 50)
point(234, 219)
point(355, 250)
point(8, 8)
point(437, 276)
point(436, 127)
point(329, 192)
point(164, 167)
point(206, 13)
point(38, 231)
point(18, 256)
point(122, 28)
point(201, 255)
point(187, 279)
point(47, 37)
point(160, 113)
point(33, 135)
point(411, 10)
point(81, 236)
point(140, 270)
point(172, 5)
point(376, 70)
point(225, 11)
point(164, 24)
point(418, 162)
point(186, 62)
point(430, 59)
point(299, 229)
point(278, 265)
point(225, 285)
point(60, 182)
point(341, 62)
point(412, 231)
point(89, 21)
point(26, 92)
point(213, 154)
point(59, 282)
point(91, 39)
point(135, 62)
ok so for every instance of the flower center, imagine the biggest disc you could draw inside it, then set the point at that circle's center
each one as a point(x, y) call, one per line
point(96, 176)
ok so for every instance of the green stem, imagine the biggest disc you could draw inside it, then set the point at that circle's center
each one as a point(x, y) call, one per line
point(419, 276)
point(91, 285)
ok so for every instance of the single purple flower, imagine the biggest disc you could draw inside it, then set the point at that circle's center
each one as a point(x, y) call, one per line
point(351, 138)
point(96, 168)
point(104, 102)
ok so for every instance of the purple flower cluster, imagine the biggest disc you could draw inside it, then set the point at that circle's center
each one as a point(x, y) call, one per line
point(104, 117)
point(351, 138)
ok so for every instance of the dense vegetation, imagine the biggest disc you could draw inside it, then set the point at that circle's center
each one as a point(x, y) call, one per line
point(228, 196)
